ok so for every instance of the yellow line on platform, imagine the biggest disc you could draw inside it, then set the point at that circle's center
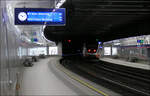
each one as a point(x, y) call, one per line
point(83, 82)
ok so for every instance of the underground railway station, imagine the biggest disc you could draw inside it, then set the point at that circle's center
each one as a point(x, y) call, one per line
point(74, 47)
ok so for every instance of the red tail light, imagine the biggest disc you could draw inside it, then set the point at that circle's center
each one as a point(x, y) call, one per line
point(94, 50)
point(89, 50)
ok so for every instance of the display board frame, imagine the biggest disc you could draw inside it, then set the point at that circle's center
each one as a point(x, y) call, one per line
point(22, 16)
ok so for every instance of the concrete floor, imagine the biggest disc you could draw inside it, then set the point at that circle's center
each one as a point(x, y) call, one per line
point(41, 79)
point(126, 63)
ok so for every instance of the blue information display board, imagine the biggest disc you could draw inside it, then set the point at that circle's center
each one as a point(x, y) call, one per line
point(40, 16)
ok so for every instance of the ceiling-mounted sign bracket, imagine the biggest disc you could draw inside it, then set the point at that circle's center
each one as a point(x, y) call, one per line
point(40, 16)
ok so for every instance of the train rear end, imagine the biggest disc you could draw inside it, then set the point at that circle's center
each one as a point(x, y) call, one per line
point(91, 53)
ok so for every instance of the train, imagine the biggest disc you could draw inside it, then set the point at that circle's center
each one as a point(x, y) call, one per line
point(91, 51)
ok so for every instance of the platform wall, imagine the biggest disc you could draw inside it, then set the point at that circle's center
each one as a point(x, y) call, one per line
point(11, 54)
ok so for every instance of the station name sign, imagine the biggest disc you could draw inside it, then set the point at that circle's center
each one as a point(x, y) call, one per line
point(40, 16)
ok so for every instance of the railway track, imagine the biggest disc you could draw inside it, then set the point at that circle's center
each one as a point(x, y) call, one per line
point(134, 72)
point(127, 79)
point(137, 82)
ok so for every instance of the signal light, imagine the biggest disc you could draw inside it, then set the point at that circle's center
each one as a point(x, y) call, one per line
point(69, 41)
point(99, 42)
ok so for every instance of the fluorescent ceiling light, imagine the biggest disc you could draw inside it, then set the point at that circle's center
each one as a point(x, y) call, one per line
point(60, 3)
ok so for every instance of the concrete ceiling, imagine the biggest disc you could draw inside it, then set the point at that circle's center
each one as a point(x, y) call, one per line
point(102, 19)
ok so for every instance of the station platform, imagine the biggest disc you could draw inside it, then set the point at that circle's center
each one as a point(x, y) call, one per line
point(125, 63)
point(46, 78)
